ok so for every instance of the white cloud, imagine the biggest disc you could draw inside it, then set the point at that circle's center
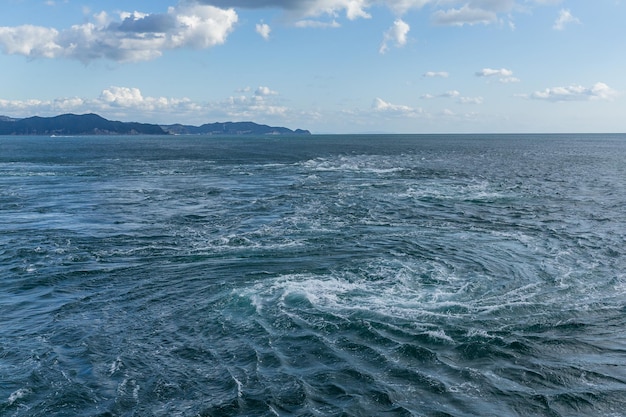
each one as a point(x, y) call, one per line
point(436, 74)
point(455, 95)
point(548, 2)
point(307, 23)
point(355, 10)
point(380, 105)
point(466, 15)
point(33, 106)
point(122, 96)
point(133, 37)
point(451, 94)
point(504, 75)
point(243, 107)
point(264, 91)
point(131, 99)
point(264, 30)
point(489, 72)
point(471, 100)
point(30, 41)
point(599, 91)
point(396, 34)
point(402, 6)
point(565, 17)
point(512, 25)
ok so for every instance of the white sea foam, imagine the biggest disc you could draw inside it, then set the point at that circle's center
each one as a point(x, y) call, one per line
point(116, 366)
point(357, 163)
point(482, 333)
point(440, 334)
point(127, 383)
point(451, 190)
point(397, 289)
point(343, 292)
point(17, 395)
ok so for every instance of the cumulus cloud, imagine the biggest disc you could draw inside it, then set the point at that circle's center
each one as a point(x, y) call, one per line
point(548, 1)
point(454, 94)
point(436, 74)
point(451, 94)
point(308, 23)
point(503, 75)
point(403, 6)
point(489, 72)
point(264, 30)
point(598, 91)
point(265, 91)
point(30, 40)
point(465, 15)
point(380, 105)
point(132, 98)
point(131, 37)
point(472, 12)
point(471, 100)
point(565, 17)
point(248, 107)
point(395, 34)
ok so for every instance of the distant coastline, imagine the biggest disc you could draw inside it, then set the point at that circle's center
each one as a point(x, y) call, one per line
point(93, 124)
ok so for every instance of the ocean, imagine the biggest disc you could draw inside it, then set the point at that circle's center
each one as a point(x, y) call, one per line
point(352, 275)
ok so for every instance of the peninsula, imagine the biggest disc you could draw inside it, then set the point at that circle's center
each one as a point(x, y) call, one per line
point(93, 124)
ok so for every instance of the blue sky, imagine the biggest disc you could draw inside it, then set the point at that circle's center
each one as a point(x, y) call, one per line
point(330, 66)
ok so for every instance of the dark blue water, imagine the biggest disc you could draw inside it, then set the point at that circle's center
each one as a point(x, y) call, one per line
point(318, 276)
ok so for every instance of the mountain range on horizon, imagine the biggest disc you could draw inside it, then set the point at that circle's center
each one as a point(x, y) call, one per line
point(93, 124)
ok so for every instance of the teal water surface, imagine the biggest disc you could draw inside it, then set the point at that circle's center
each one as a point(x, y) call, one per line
point(322, 276)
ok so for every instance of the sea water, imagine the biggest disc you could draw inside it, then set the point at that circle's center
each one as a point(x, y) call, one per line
point(471, 275)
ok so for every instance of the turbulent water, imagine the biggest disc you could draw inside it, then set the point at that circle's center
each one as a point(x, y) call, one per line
point(317, 276)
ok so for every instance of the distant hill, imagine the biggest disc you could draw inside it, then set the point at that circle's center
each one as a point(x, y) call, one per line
point(92, 124)
point(231, 128)
point(72, 124)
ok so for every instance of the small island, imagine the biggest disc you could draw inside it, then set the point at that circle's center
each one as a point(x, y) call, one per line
point(93, 124)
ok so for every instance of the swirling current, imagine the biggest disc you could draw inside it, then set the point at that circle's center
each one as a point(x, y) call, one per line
point(367, 275)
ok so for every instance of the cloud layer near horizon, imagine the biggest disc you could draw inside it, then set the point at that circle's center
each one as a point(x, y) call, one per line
point(262, 102)
point(128, 102)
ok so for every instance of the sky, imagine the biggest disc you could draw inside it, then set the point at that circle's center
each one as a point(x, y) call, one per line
point(329, 66)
